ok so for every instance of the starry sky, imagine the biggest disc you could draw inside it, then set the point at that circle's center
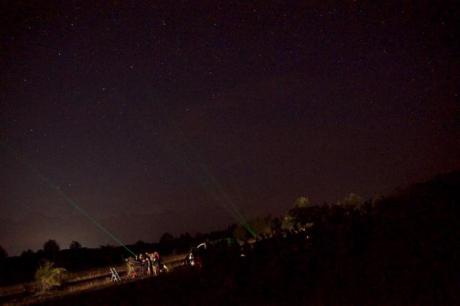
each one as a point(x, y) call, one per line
point(157, 116)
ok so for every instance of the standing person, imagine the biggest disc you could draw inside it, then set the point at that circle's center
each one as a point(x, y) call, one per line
point(153, 263)
point(156, 262)
point(131, 265)
point(142, 264)
point(148, 263)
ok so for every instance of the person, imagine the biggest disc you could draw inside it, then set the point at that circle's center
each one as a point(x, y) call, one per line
point(148, 263)
point(152, 263)
point(131, 266)
point(156, 262)
point(143, 264)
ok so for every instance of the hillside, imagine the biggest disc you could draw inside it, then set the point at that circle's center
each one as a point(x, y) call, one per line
point(402, 249)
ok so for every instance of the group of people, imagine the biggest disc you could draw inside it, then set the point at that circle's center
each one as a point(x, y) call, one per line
point(145, 264)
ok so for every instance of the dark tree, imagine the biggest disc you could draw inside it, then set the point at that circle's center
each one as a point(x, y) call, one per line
point(3, 253)
point(27, 254)
point(140, 243)
point(276, 225)
point(304, 212)
point(166, 238)
point(75, 245)
point(51, 247)
point(139, 246)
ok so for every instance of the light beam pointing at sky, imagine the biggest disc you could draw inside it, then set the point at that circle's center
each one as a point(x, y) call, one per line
point(67, 198)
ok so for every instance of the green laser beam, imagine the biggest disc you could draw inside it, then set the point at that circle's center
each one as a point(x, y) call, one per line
point(66, 197)
point(242, 220)
point(221, 196)
point(204, 182)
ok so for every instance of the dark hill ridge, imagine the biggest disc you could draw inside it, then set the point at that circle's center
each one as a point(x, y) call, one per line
point(414, 242)
point(444, 188)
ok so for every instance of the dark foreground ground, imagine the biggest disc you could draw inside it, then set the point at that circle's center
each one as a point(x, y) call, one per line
point(403, 250)
point(289, 276)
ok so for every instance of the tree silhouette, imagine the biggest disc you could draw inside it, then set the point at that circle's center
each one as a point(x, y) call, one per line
point(261, 226)
point(302, 214)
point(302, 202)
point(240, 233)
point(75, 245)
point(288, 222)
point(351, 201)
point(51, 247)
point(3, 253)
point(276, 225)
point(166, 238)
point(27, 253)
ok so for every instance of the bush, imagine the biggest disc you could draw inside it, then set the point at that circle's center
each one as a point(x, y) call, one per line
point(49, 276)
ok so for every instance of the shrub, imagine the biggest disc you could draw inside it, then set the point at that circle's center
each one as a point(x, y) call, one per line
point(49, 276)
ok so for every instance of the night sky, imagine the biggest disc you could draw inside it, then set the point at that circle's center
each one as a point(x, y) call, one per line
point(155, 117)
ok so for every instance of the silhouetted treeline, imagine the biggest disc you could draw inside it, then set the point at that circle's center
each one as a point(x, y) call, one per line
point(22, 268)
point(400, 249)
